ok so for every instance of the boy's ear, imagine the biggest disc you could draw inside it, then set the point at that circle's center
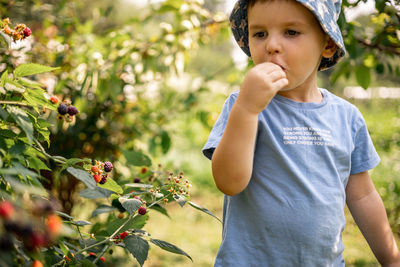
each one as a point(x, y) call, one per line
point(329, 49)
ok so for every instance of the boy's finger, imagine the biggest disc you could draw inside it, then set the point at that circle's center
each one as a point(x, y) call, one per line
point(276, 75)
point(281, 83)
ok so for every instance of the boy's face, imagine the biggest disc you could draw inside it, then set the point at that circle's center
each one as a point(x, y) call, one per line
point(286, 33)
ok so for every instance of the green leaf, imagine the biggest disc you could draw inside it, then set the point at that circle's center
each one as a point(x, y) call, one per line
point(112, 186)
point(169, 247)
point(5, 40)
point(130, 204)
point(82, 175)
point(363, 76)
point(138, 247)
point(95, 193)
point(3, 78)
point(31, 69)
point(81, 223)
point(62, 214)
point(198, 207)
point(136, 223)
point(102, 209)
point(37, 164)
point(22, 119)
point(165, 142)
point(160, 209)
point(14, 87)
point(136, 158)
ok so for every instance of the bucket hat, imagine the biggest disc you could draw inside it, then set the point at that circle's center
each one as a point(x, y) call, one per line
point(326, 11)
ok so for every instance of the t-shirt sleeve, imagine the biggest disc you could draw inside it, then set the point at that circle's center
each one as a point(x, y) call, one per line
point(219, 127)
point(364, 156)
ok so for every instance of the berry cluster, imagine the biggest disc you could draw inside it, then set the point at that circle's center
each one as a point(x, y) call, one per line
point(100, 171)
point(65, 110)
point(18, 33)
point(177, 185)
point(33, 231)
point(118, 238)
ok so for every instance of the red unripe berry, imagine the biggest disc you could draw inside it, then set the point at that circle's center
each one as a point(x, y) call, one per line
point(27, 32)
point(143, 170)
point(123, 235)
point(92, 254)
point(97, 178)
point(102, 259)
point(54, 99)
point(6, 209)
point(95, 169)
point(142, 210)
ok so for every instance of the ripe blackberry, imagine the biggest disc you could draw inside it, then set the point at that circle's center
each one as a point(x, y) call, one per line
point(108, 166)
point(137, 180)
point(62, 109)
point(72, 110)
point(103, 179)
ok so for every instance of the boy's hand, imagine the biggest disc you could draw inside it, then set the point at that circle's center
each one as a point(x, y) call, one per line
point(260, 85)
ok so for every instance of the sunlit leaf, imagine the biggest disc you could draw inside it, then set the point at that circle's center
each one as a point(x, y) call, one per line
point(31, 69)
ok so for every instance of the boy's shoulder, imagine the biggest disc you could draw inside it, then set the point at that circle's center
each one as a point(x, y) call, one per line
point(337, 100)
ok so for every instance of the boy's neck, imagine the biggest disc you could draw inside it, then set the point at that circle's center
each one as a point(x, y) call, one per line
point(312, 95)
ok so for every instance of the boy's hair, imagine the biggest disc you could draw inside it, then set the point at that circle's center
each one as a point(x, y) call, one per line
point(326, 12)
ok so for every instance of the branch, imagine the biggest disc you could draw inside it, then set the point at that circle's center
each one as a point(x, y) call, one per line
point(17, 103)
point(391, 49)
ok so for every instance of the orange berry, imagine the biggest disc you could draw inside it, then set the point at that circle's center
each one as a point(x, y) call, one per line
point(54, 99)
point(95, 169)
point(97, 178)
point(54, 224)
point(37, 263)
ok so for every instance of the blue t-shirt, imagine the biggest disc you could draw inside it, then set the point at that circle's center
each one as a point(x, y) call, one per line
point(292, 211)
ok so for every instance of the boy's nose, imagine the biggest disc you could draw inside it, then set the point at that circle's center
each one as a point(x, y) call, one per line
point(272, 45)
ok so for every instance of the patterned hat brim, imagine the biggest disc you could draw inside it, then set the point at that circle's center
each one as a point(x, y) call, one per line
point(326, 12)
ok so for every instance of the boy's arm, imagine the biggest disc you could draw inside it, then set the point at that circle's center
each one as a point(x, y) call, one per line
point(232, 160)
point(369, 213)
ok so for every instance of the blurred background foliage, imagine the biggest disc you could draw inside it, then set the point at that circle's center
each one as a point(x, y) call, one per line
point(153, 77)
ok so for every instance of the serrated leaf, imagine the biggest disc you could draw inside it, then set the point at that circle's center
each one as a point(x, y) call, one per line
point(112, 186)
point(22, 119)
point(3, 78)
point(95, 193)
point(136, 158)
point(180, 199)
point(37, 164)
point(130, 204)
point(82, 175)
point(138, 247)
point(138, 185)
point(81, 223)
point(62, 214)
point(10, 86)
point(198, 207)
point(136, 223)
point(102, 209)
point(31, 69)
point(169, 247)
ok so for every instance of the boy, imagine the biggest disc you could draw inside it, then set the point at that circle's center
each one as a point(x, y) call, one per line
point(289, 155)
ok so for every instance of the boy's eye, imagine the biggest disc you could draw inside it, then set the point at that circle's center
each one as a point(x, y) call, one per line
point(292, 32)
point(260, 34)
